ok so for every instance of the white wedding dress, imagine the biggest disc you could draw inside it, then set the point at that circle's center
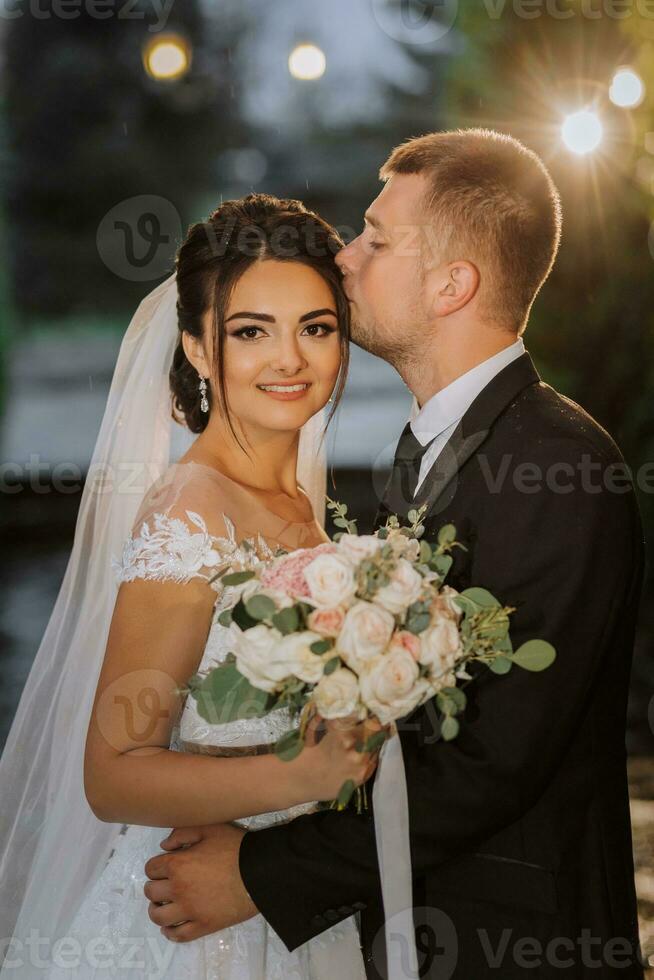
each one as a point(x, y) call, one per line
point(173, 539)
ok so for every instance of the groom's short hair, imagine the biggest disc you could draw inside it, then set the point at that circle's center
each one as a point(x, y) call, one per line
point(493, 202)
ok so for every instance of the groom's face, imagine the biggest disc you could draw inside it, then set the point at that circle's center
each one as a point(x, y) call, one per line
point(383, 272)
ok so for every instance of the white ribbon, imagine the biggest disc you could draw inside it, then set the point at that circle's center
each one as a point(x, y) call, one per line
point(391, 810)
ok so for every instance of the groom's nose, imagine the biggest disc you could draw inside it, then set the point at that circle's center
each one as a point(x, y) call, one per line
point(344, 259)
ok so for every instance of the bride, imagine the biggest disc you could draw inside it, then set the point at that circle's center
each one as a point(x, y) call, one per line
point(244, 344)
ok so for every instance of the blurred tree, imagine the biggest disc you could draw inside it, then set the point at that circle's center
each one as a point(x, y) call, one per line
point(89, 128)
point(592, 327)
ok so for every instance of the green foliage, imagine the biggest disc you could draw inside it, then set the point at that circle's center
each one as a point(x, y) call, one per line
point(225, 695)
point(289, 745)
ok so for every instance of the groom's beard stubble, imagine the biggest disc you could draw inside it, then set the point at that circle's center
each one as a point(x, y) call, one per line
point(398, 344)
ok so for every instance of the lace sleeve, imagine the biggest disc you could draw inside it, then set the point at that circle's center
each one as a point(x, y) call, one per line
point(175, 548)
point(181, 533)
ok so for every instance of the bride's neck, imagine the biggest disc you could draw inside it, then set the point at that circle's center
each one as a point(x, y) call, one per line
point(269, 464)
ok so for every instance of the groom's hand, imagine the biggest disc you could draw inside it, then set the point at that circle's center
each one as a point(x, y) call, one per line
point(198, 882)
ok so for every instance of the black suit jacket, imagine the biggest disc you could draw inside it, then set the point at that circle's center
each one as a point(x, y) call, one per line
point(520, 830)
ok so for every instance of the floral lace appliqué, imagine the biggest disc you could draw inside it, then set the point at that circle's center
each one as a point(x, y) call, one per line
point(172, 550)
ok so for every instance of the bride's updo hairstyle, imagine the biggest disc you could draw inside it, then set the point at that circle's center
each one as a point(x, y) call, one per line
point(211, 260)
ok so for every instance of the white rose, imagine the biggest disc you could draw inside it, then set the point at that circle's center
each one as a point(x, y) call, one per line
point(366, 633)
point(336, 695)
point(404, 588)
point(358, 547)
point(294, 652)
point(440, 648)
point(254, 650)
point(391, 686)
point(404, 547)
point(331, 580)
point(444, 604)
point(253, 587)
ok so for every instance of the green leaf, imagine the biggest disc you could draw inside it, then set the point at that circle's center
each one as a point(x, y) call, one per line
point(225, 618)
point(226, 695)
point(345, 793)
point(441, 564)
point(374, 741)
point(287, 620)
point(340, 522)
point(260, 607)
point(321, 646)
point(500, 665)
point(237, 578)
point(332, 665)
point(289, 745)
point(535, 655)
point(242, 618)
point(457, 696)
point(449, 728)
point(481, 597)
point(425, 552)
point(417, 623)
point(447, 534)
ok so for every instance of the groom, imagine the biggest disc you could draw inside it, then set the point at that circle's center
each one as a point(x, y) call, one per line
point(520, 831)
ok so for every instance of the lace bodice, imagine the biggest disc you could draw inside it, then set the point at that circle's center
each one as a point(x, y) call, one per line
point(173, 542)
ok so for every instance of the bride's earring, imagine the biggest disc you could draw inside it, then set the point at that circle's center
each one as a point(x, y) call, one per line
point(204, 404)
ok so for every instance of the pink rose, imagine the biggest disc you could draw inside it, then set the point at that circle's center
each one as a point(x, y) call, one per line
point(407, 641)
point(287, 574)
point(327, 622)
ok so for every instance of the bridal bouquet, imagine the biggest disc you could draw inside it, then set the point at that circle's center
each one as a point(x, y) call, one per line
point(360, 626)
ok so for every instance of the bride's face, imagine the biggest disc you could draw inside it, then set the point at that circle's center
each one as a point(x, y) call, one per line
point(282, 350)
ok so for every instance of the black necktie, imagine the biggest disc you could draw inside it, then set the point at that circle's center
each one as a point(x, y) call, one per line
point(406, 470)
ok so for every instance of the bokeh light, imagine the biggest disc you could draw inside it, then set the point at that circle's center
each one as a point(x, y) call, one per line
point(307, 62)
point(627, 89)
point(582, 131)
point(167, 58)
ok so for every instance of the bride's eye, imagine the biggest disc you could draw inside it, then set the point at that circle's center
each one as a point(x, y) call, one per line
point(247, 333)
point(315, 327)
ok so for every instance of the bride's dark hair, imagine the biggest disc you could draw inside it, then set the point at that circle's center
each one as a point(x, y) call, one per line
point(211, 260)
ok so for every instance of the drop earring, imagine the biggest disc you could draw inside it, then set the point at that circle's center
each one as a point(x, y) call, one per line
point(204, 404)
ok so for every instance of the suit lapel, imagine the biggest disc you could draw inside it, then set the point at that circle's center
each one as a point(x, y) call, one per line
point(473, 429)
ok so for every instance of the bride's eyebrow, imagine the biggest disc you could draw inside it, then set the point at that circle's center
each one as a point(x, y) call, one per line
point(267, 318)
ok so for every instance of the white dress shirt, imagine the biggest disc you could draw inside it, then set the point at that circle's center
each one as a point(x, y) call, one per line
point(438, 417)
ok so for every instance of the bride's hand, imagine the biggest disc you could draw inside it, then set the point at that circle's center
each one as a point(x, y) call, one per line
point(329, 757)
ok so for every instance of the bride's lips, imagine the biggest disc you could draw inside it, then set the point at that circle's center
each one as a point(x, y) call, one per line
point(287, 396)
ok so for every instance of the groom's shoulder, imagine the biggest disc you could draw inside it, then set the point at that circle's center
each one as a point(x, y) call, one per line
point(548, 417)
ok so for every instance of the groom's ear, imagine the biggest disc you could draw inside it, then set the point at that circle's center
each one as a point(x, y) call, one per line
point(452, 286)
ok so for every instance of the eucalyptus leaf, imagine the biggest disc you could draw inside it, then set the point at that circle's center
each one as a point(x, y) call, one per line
point(481, 597)
point(225, 618)
point(345, 793)
point(447, 534)
point(321, 646)
point(425, 552)
point(237, 578)
point(289, 745)
point(260, 607)
point(500, 665)
point(287, 620)
point(332, 665)
point(457, 696)
point(226, 695)
point(535, 655)
point(449, 728)
point(242, 618)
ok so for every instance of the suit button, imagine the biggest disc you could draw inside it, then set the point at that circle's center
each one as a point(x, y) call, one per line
point(359, 905)
point(332, 915)
point(318, 920)
point(346, 910)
